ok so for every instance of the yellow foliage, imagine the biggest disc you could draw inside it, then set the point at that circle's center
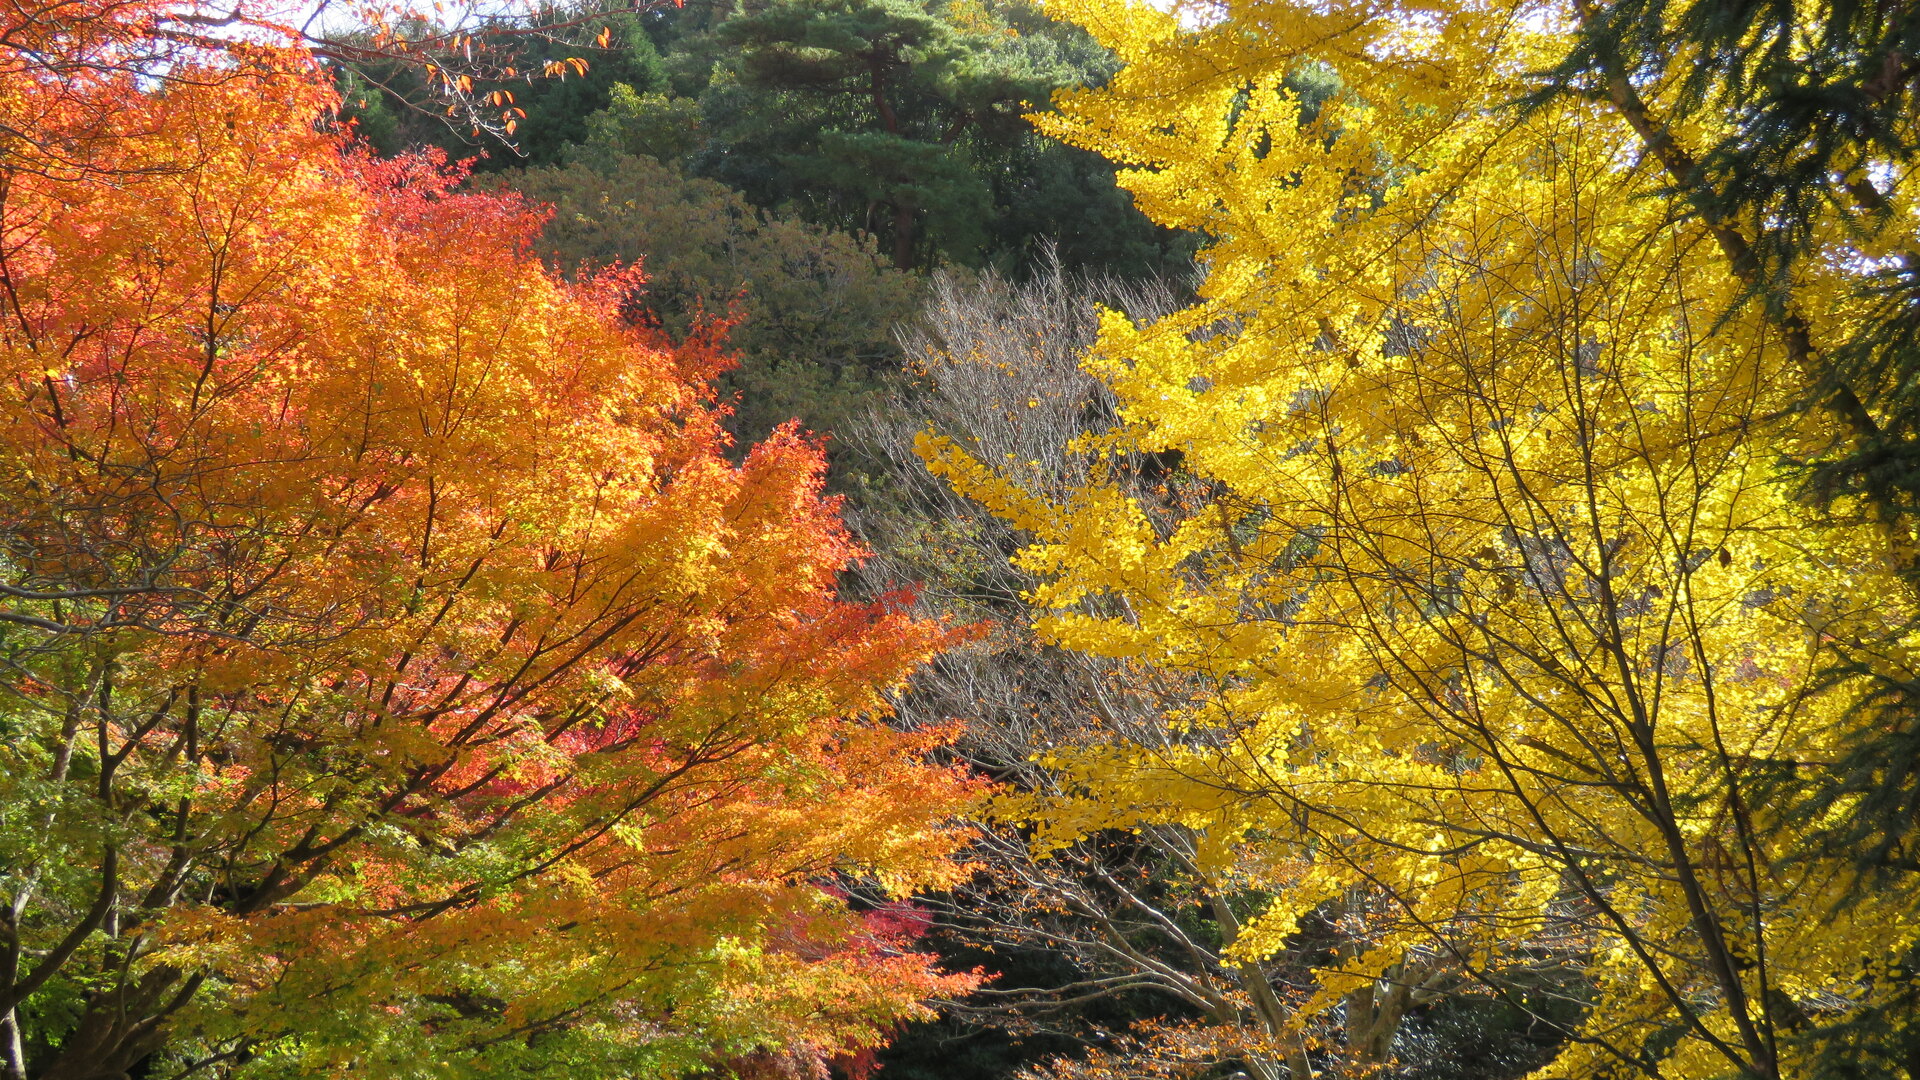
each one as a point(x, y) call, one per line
point(1505, 617)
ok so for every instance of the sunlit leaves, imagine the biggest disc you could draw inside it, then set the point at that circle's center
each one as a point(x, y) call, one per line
point(1505, 608)
point(402, 680)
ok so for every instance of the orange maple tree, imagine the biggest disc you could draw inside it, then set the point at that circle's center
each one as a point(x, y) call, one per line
point(397, 678)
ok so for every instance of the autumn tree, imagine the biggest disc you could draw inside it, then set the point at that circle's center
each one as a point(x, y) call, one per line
point(398, 679)
point(1135, 928)
point(1812, 130)
point(1506, 610)
point(1813, 134)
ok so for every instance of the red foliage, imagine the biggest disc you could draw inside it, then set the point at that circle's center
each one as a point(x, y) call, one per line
point(458, 687)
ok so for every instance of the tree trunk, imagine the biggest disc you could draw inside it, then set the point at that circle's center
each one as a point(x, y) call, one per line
point(120, 1028)
point(903, 209)
point(1374, 1012)
point(903, 235)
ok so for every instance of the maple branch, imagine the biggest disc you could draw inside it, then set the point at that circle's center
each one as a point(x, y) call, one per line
point(50, 964)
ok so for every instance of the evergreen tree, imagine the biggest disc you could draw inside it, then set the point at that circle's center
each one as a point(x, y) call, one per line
point(876, 106)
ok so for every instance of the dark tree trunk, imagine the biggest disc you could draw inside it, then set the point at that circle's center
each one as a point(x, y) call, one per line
point(903, 211)
point(903, 235)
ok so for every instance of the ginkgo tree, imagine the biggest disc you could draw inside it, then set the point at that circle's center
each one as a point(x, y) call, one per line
point(397, 678)
point(1137, 937)
point(1509, 615)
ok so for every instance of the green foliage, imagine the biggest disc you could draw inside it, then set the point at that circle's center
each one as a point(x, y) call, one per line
point(905, 119)
point(377, 98)
point(638, 125)
point(877, 95)
point(812, 309)
point(1049, 192)
point(557, 109)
